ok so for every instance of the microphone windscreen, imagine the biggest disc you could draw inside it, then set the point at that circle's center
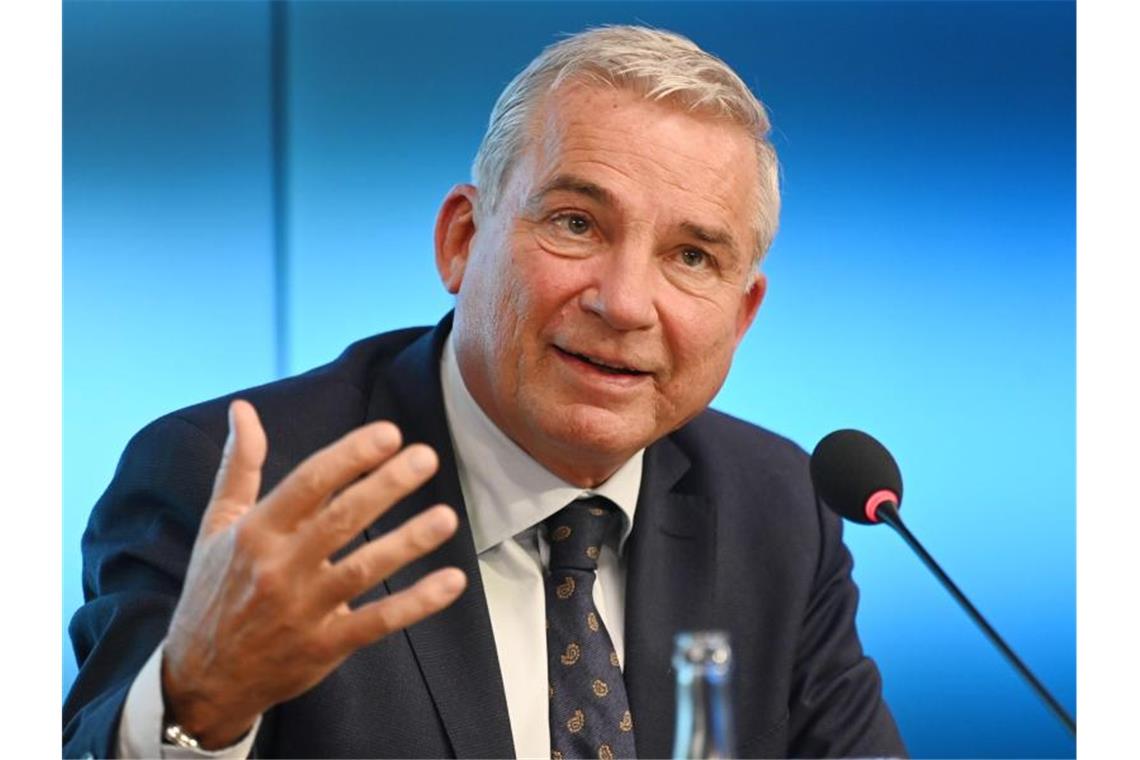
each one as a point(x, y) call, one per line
point(848, 467)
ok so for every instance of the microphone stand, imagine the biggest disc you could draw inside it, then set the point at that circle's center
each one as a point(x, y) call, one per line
point(888, 513)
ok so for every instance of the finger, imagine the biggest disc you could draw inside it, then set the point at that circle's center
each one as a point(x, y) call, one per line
point(377, 560)
point(357, 506)
point(327, 471)
point(239, 474)
point(377, 619)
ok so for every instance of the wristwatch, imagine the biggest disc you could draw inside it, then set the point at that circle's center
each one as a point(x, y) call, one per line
point(174, 734)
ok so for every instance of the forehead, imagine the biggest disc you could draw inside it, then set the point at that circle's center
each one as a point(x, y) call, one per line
point(656, 157)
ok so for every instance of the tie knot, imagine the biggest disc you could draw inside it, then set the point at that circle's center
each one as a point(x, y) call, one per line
point(577, 531)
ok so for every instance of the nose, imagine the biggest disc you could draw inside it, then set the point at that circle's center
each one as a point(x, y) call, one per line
point(622, 292)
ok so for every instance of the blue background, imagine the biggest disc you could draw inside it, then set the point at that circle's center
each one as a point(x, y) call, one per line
point(248, 188)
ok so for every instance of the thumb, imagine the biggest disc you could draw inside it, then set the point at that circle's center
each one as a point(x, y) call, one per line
point(239, 474)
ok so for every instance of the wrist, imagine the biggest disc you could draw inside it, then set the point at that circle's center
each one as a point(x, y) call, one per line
point(190, 716)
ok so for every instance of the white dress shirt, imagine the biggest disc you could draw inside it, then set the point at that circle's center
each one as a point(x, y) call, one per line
point(507, 495)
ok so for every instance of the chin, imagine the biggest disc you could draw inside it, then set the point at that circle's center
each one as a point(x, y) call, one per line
point(595, 433)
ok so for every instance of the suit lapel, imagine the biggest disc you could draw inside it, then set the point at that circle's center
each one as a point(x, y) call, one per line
point(669, 588)
point(670, 578)
point(455, 648)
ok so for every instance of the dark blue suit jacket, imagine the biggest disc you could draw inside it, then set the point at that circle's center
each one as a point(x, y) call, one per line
point(728, 535)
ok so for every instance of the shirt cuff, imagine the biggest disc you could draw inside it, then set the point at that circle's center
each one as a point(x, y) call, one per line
point(140, 727)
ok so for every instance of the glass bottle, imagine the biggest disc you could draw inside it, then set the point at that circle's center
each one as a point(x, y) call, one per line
point(703, 728)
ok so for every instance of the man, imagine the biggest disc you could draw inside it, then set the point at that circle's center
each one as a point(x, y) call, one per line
point(368, 559)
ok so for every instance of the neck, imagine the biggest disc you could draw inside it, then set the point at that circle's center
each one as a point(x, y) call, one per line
point(574, 469)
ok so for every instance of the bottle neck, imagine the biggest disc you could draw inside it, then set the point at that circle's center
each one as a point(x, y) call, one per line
point(703, 726)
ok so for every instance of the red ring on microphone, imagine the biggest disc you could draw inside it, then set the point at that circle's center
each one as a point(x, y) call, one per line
point(876, 500)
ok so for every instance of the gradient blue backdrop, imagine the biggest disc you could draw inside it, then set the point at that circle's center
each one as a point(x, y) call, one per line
point(247, 189)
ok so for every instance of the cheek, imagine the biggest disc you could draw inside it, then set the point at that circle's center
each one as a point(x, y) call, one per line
point(547, 287)
point(702, 345)
point(510, 315)
point(525, 307)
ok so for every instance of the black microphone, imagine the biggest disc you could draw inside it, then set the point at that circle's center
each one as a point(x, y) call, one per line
point(858, 479)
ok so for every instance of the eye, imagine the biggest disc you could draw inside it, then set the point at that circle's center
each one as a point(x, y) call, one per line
point(575, 224)
point(695, 258)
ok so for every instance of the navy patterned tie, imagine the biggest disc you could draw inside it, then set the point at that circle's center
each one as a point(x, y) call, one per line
point(589, 711)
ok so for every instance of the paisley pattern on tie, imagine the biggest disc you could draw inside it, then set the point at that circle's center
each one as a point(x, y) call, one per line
point(589, 709)
point(571, 655)
point(565, 589)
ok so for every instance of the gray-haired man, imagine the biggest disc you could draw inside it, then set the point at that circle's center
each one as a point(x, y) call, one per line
point(359, 560)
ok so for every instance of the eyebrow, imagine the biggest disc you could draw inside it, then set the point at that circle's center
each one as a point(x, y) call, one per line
point(573, 184)
point(712, 236)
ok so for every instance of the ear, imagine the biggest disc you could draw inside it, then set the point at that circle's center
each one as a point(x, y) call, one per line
point(454, 230)
point(753, 297)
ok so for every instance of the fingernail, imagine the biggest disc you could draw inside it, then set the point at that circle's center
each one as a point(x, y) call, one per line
point(231, 427)
point(422, 460)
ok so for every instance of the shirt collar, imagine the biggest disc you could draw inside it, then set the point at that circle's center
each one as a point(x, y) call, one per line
point(506, 491)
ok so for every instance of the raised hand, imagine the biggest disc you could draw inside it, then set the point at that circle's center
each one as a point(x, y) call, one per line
point(264, 614)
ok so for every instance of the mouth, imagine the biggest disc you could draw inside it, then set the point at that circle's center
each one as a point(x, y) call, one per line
point(608, 367)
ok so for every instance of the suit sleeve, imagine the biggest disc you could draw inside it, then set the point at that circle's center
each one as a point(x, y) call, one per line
point(135, 552)
point(837, 704)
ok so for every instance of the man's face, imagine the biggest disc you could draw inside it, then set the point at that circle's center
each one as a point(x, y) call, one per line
point(599, 306)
